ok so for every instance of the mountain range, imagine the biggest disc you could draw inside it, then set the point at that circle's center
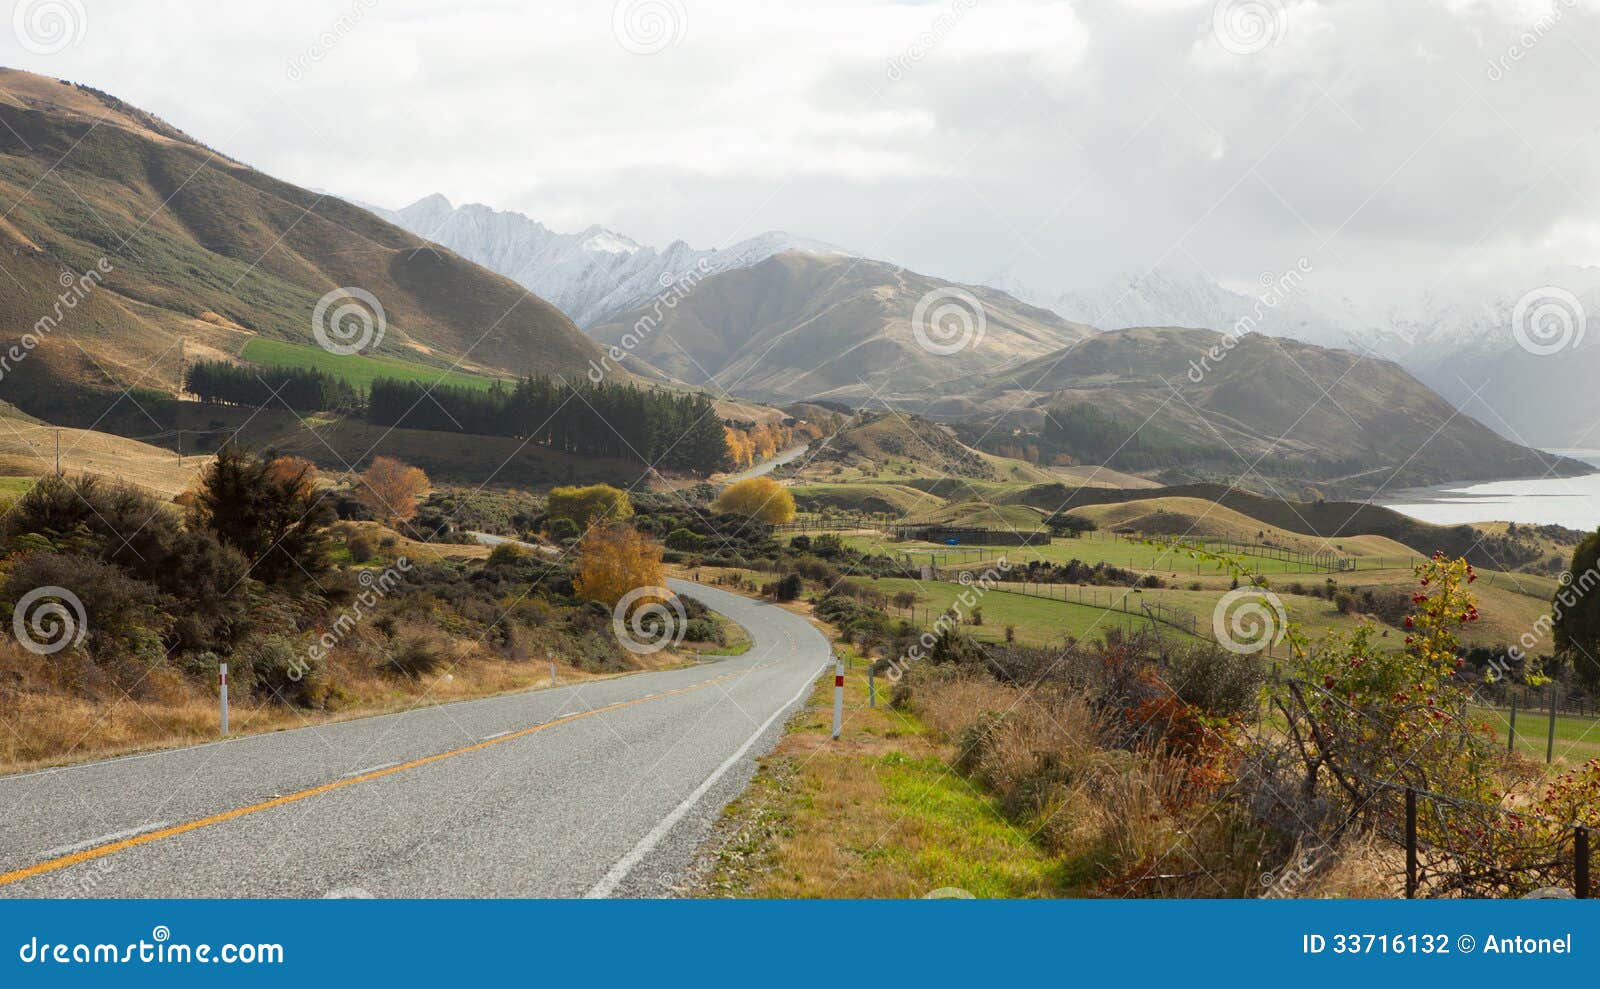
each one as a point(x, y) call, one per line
point(126, 236)
point(593, 275)
point(801, 325)
point(1153, 397)
point(1457, 337)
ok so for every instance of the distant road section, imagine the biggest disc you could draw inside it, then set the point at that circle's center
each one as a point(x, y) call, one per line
point(768, 466)
point(602, 789)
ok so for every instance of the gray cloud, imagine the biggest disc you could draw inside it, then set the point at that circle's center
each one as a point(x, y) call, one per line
point(1054, 143)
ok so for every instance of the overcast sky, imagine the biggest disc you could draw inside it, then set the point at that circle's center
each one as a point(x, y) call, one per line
point(1056, 144)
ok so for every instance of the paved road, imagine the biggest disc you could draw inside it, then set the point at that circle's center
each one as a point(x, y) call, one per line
point(601, 789)
point(788, 456)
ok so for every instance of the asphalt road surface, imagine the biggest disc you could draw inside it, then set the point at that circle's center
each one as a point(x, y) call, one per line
point(601, 789)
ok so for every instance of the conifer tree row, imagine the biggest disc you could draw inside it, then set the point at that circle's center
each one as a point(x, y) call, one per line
point(301, 389)
point(666, 429)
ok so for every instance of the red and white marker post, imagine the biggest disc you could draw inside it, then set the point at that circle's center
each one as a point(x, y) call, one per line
point(222, 693)
point(838, 696)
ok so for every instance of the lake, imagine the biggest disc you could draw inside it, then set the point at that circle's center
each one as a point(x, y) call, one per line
point(1570, 501)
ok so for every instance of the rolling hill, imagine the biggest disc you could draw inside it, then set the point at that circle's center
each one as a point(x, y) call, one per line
point(1153, 398)
point(125, 235)
point(806, 326)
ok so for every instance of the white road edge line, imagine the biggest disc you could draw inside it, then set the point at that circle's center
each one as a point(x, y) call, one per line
point(104, 839)
point(370, 769)
point(498, 734)
point(608, 884)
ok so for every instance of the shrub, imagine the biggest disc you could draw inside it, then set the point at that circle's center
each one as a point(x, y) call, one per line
point(417, 652)
point(505, 554)
point(561, 529)
point(1215, 680)
point(279, 671)
point(361, 547)
point(613, 560)
point(788, 588)
point(684, 540)
point(123, 617)
point(704, 630)
point(585, 505)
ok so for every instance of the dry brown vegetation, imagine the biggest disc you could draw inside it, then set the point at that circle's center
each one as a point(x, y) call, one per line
point(55, 713)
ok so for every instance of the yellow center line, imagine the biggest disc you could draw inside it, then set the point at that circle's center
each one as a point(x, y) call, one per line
point(100, 851)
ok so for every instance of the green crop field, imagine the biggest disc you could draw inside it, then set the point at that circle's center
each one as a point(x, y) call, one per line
point(358, 369)
point(1577, 738)
point(1128, 554)
point(1038, 621)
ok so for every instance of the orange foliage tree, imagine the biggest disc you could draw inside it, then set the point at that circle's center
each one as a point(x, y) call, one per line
point(616, 559)
point(390, 489)
point(759, 498)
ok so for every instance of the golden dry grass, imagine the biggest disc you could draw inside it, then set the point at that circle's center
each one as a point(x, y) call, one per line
point(55, 712)
point(30, 450)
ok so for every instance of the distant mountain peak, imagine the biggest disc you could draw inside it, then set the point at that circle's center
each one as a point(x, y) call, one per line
point(592, 275)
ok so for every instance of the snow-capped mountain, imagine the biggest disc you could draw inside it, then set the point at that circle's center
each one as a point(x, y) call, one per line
point(592, 275)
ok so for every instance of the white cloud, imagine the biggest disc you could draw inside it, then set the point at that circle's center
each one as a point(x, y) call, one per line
point(1057, 142)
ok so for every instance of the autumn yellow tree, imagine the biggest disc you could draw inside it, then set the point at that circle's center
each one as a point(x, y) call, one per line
point(759, 498)
point(739, 448)
point(389, 489)
point(616, 559)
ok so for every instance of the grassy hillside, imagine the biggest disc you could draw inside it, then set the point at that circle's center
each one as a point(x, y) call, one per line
point(359, 370)
point(186, 243)
point(1153, 398)
point(801, 325)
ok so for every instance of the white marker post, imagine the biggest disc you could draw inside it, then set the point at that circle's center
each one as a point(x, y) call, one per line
point(838, 696)
point(222, 691)
point(552, 669)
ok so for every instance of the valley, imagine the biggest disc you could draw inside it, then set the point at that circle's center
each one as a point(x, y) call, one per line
point(1105, 573)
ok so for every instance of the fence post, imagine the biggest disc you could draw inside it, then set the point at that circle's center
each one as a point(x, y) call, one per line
point(838, 696)
point(1580, 861)
point(1550, 746)
point(1511, 736)
point(872, 688)
point(1411, 843)
point(222, 693)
